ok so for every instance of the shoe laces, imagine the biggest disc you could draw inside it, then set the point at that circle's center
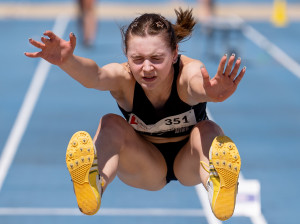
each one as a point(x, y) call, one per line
point(209, 168)
point(100, 184)
point(99, 181)
point(204, 166)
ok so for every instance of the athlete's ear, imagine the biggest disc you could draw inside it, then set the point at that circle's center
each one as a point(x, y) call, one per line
point(175, 55)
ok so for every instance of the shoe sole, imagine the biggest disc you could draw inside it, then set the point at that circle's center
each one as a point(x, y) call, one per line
point(79, 159)
point(226, 160)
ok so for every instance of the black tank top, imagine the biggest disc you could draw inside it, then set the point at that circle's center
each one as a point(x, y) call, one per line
point(175, 118)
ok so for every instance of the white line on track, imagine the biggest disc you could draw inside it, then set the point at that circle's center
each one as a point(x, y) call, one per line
point(27, 107)
point(202, 195)
point(274, 51)
point(258, 219)
point(10, 211)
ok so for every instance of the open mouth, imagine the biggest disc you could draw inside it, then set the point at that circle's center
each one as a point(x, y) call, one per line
point(149, 78)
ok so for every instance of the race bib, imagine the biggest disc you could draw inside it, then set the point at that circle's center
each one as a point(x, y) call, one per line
point(175, 124)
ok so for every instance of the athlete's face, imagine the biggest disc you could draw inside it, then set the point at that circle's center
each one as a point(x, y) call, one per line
point(150, 59)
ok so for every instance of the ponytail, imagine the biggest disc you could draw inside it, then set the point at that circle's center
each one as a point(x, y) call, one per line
point(184, 25)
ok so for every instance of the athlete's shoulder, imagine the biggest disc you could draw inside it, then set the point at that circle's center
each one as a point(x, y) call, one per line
point(118, 70)
point(114, 77)
point(188, 63)
point(189, 68)
point(123, 84)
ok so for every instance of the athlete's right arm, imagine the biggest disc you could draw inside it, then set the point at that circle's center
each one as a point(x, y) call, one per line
point(60, 52)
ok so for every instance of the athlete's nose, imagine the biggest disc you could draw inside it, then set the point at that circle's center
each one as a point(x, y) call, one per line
point(147, 66)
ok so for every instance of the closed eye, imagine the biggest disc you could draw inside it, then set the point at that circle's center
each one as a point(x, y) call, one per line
point(157, 59)
point(137, 60)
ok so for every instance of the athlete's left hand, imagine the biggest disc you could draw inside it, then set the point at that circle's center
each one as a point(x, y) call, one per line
point(226, 80)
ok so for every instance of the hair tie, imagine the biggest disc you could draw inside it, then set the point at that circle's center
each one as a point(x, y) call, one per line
point(159, 24)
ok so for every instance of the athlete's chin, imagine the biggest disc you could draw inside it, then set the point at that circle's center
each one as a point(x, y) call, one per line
point(148, 86)
point(149, 83)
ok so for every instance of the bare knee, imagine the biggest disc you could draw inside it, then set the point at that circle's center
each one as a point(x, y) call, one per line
point(112, 121)
point(203, 135)
point(209, 127)
point(111, 128)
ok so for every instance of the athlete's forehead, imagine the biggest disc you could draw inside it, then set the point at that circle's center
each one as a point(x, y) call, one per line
point(148, 45)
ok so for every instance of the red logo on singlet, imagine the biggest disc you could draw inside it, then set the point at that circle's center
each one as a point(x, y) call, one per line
point(133, 120)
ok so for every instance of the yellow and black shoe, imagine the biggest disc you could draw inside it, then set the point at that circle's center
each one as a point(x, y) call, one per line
point(224, 169)
point(81, 160)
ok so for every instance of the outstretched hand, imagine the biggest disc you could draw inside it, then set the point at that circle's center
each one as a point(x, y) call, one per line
point(53, 49)
point(226, 80)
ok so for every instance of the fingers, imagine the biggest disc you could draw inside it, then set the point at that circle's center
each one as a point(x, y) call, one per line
point(229, 65)
point(240, 76)
point(45, 40)
point(50, 34)
point(72, 40)
point(33, 55)
point(222, 65)
point(36, 43)
point(235, 70)
point(204, 72)
point(229, 71)
point(52, 37)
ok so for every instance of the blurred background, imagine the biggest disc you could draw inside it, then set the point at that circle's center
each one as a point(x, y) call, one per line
point(41, 107)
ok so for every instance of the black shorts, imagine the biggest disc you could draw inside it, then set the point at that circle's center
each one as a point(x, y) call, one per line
point(169, 151)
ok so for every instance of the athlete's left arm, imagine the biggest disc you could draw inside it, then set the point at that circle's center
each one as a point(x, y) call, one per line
point(201, 88)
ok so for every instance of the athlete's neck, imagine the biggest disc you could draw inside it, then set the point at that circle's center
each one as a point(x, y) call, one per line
point(159, 96)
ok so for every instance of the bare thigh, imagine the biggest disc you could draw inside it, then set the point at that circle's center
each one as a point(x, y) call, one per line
point(187, 166)
point(123, 152)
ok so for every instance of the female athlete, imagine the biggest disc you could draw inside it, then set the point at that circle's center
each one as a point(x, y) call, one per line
point(166, 134)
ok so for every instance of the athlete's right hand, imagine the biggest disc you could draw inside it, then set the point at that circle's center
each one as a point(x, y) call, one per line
point(53, 49)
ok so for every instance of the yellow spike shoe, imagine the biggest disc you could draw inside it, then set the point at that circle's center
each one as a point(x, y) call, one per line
point(224, 169)
point(81, 161)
